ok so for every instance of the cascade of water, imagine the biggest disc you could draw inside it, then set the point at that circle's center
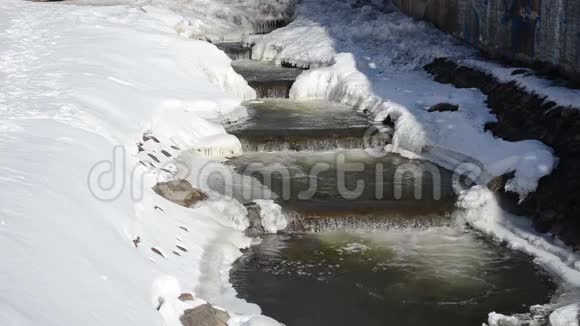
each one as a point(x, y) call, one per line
point(272, 89)
point(236, 50)
point(299, 144)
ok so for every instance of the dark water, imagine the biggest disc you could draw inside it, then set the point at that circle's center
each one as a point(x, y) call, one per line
point(267, 79)
point(236, 50)
point(280, 125)
point(439, 276)
point(336, 183)
point(264, 71)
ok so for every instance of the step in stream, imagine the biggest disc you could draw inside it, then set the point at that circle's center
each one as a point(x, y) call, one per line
point(236, 50)
point(349, 183)
point(269, 80)
point(294, 125)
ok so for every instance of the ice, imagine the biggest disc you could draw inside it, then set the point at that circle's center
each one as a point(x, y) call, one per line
point(502, 320)
point(214, 20)
point(272, 218)
point(565, 316)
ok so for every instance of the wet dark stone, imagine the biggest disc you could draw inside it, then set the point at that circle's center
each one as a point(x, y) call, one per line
point(255, 228)
point(204, 315)
point(443, 107)
point(186, 297)
point(180, 192)
point(519, 72)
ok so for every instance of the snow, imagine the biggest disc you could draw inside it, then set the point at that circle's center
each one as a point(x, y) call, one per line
point(404, 96)
point(272, 218)
point(495, 319)
point(80, 226)
point(565, 316)
point(527, 80)
point(217, 21)
point(482, 211)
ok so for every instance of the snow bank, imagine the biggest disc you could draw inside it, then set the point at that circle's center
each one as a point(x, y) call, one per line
point(323, 28)
point(286, 45)
point(526, 79)
point(482, 211)
point(84, 238)
point(341, 82)
point(565, 316)
point(272, 218)
point(495, 319)
point(215, 20)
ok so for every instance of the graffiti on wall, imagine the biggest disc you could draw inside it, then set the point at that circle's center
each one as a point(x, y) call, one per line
point(518, 22)
point(546, 31)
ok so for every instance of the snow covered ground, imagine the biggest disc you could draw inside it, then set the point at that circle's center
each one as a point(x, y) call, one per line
point(223, 20)
point(78, 88)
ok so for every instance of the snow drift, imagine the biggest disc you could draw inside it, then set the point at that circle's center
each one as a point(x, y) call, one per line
point(84, 238)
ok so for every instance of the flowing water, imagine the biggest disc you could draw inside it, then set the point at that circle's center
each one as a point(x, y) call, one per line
point(282, 125)
point(438, 276)
point(371, 237)
point(268, 80)
point(348, 180)
point(236, 50)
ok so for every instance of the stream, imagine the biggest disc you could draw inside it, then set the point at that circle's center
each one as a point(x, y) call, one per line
point(373, 237)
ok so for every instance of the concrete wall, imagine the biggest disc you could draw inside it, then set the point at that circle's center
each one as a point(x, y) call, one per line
point(526, 30)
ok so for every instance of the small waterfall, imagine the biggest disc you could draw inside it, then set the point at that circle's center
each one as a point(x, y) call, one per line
point(298, 222)
point(322, 141)
point(272, 89)
point(236, 50)
point(299, 144)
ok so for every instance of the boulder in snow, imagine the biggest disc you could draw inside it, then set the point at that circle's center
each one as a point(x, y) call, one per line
point(204, 315)
point(180, 192)
point(444, 107)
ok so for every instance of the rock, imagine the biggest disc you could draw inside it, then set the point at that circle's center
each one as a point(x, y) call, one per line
point(204, 315)
point(498, 183)
point(186, 297)
point(255, 229)
point(444, 107)
point(180, 192)
point(519, 72)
